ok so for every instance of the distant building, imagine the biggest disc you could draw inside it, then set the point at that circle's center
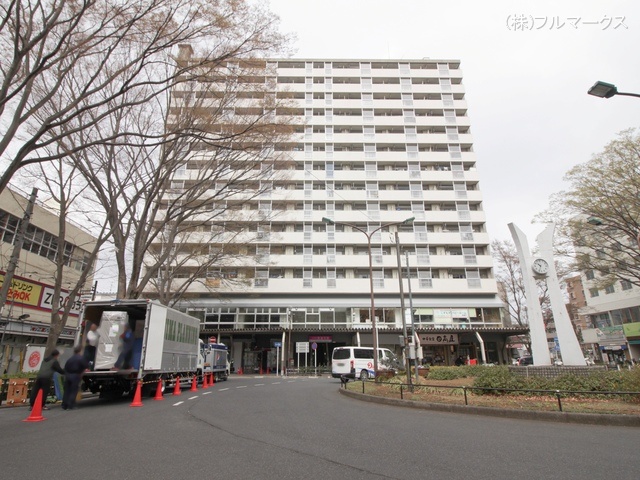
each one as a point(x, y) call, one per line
point(378, 141)
point(28, 308)
point(612, 319)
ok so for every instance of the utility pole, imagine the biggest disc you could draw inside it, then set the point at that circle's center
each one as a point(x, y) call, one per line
point(407, 360)
point(413, 324)
point(17, 248)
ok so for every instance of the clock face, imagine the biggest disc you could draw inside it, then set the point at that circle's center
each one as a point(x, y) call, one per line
point(540, 266)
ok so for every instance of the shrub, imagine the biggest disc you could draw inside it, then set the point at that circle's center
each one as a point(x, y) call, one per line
point(496, 377)
point(450, 373)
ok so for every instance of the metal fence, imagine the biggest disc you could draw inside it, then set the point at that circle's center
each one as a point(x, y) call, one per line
point(558, 394)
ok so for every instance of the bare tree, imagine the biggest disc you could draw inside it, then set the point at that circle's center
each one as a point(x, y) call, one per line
point(167, 198)
point(65, 188)
point(84, 83)
point(600, 213)
point(508, 274)
point(67, 65)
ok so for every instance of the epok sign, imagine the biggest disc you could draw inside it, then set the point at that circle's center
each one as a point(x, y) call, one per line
point(439, 339)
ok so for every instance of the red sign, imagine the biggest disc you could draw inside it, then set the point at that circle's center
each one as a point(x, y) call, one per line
point(321, 338)
point(36, 295)
point(212, 340)
point(34, 359)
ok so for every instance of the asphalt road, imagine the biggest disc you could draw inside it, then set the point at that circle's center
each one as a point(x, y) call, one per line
point(297, 428)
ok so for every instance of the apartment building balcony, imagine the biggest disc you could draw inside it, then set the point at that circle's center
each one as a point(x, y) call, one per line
point(345, 286)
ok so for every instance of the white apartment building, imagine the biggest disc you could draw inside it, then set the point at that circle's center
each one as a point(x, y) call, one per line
point(377, 142)
point(613, 316)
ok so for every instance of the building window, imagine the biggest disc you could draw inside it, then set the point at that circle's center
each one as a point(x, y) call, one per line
point(625, 284)
point(593, 292)
point(609, 289)
point(590, 275)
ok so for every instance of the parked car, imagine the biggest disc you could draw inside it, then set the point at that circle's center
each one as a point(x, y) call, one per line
point(526, 360)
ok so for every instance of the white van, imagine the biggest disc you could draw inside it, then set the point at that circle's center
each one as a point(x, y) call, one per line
point(355, 362)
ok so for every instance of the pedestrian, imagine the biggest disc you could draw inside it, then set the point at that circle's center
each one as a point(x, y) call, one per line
point(124, 359)
point(91, 345)
point(43, 379)
point(73, 370)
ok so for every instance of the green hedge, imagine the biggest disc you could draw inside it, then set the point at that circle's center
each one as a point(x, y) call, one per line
point(452, 373)
point(613, 381)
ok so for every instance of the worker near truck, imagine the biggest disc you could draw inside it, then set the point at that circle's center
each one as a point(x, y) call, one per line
point(91, 345)
point(73, 370)
point(126, 354)
point(43, 379)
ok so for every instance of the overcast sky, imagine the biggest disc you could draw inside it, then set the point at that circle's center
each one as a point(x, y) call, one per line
point(527, 66)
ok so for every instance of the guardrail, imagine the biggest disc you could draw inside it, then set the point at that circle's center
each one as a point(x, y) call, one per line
point(558, 394)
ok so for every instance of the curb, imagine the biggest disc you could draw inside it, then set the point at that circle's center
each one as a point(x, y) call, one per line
point(561, 417)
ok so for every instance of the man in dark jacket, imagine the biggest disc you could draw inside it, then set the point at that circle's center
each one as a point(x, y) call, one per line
point(43, 379)
point(73, 370)
point(128, 340)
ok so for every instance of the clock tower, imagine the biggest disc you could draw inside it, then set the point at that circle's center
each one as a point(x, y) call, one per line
point(544, 267)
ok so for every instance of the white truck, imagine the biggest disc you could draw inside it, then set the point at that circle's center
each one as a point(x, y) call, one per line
point(166, 346)
point(215, 358)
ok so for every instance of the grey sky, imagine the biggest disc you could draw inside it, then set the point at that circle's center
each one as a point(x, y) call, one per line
point(531, 117)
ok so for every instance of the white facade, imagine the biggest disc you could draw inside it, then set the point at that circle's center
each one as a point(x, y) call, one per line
point(377, 142)
point(27, 313)
point(614, 317)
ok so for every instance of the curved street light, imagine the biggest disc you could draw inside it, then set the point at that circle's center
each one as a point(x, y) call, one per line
point(372, 313)
point(608, 90)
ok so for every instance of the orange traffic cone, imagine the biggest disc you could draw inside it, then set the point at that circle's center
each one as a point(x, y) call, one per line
point(205, 380)
point(159, 391)
point(176, 389)
point(260, 370)
point(194, 384)
point(137, 398)
point(36, 411)
point(213, 379)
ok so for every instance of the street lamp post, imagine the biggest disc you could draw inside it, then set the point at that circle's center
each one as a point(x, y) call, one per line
point(608, 90)
point(372, 313)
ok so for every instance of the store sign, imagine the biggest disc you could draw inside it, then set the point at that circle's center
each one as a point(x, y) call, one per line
point(444, 314)
point(33, 359)
point(632, 329)
point(321, 338)
point(39, 296)
point(439, 339)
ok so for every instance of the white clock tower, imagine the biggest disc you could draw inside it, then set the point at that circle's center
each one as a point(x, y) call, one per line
point(544, 266)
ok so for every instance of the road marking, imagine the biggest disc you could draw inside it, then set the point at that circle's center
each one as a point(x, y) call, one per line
point(176, 404)
point(290, 381)
point(206, 393)
point(191, 398)
point(276, 383)
point(242, 386)
point(259, 385)
point(223, 389)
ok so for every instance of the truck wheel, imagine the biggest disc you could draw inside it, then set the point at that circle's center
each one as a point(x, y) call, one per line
point(148, 389)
